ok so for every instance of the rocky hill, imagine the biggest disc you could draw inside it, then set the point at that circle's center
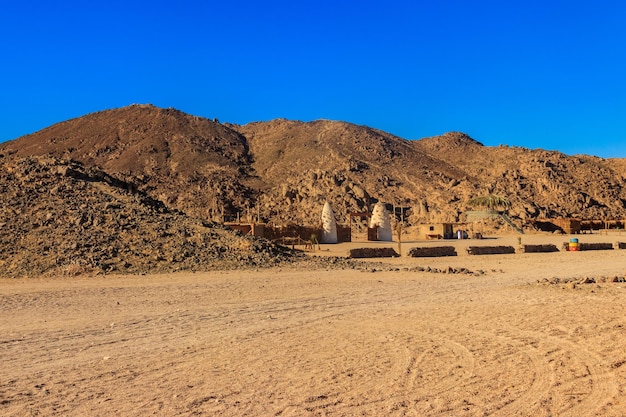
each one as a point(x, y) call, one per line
point(282, 171)
point(353, 166)
point(60, 217)
point(190, 163)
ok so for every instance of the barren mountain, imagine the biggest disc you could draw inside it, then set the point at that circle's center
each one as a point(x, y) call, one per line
point(190, 163)
point(539, 183)
point(283, 171)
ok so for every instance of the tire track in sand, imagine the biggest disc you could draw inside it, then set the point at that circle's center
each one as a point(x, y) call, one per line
point(413, 383)
point(602, 383)
point(532, 398)
point(542, 350)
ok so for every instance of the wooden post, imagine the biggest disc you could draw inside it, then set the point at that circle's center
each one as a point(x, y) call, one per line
point(399, 232)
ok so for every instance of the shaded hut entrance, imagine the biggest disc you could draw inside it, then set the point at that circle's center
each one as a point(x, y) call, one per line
point(359, 226)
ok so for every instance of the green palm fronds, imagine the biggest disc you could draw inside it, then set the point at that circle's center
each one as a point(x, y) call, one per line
point(490, 202)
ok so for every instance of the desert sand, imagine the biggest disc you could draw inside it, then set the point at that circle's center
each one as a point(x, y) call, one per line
point(506, 340)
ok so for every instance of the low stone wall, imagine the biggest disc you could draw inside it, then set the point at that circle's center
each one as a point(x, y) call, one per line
point(432, 252)
point(589, 246)
point(304, 232)
point(539, 248)
point(372, 253)
point(596, 246)
point(293, 231)
point(621, 245)
point(490, 250)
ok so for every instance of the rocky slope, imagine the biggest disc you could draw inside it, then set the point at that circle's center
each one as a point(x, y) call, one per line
point(59, 217)
point(354, 166)
point(282, 171)
point(305, 164)
point(191, 163)
point(539, 183)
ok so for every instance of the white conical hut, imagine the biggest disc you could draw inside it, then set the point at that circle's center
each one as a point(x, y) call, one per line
point(329, 225)
point(380, 218)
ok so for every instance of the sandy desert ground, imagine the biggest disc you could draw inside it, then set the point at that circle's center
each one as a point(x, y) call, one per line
point(292, 342)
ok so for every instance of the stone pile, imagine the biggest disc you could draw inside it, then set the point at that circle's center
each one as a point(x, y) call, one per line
point(575, 282)
point(59, 217)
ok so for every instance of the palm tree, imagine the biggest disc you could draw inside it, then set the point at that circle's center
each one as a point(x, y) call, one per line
point(490, 202)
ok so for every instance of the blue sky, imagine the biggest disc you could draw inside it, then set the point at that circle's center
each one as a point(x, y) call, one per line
point(537, 74)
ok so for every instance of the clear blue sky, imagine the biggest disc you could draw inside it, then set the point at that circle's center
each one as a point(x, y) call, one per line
point(537, 74)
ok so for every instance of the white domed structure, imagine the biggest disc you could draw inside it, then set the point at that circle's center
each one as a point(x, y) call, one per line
point(329, 225)
point(381, 219)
